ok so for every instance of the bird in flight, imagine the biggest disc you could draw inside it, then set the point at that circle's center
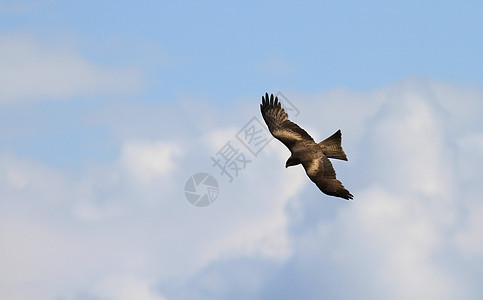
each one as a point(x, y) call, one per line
point(313, 157)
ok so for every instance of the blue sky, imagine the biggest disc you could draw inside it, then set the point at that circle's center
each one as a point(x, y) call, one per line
point(220, 53)
point(214, 49)
point(107, 108)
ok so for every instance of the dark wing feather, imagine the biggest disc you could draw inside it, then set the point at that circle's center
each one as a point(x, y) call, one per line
point(279, 125)
point(322, 173)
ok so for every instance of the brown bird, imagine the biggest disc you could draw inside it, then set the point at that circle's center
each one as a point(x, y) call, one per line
point(313, 157)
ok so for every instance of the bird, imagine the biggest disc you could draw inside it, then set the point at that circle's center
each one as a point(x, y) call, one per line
point(313, 156)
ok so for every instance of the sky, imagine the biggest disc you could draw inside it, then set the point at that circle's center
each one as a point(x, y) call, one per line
point(108, 110)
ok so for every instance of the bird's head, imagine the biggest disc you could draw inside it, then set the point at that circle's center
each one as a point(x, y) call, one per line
point(291, 162)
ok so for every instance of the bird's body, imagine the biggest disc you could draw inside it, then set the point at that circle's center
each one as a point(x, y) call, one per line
point(304, 150)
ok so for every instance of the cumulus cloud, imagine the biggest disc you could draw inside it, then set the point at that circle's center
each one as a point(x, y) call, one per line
point(165, 238)
point(31, 70)
point(397, 239)
point(124, 228)
point(126, 288)
point(148, 161)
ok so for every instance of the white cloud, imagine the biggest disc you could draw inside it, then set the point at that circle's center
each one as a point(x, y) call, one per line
point(165, 238)
point(396, 239)
point(148, 161)
point(124, 228)
point(393, 239)
point(20, 178)
point(126, 288)
point(470, 239)
point(31, 70)
point(469, 165)
point(402, 222)
point(218, 138)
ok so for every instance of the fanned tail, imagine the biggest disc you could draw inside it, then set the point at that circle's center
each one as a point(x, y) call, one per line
point(332, 147)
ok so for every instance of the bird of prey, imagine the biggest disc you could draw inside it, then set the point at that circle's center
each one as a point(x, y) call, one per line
point(313, 157)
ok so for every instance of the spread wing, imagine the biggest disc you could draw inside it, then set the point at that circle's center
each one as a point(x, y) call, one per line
point(316, 164)
point(279, 125)
point(322, 173)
